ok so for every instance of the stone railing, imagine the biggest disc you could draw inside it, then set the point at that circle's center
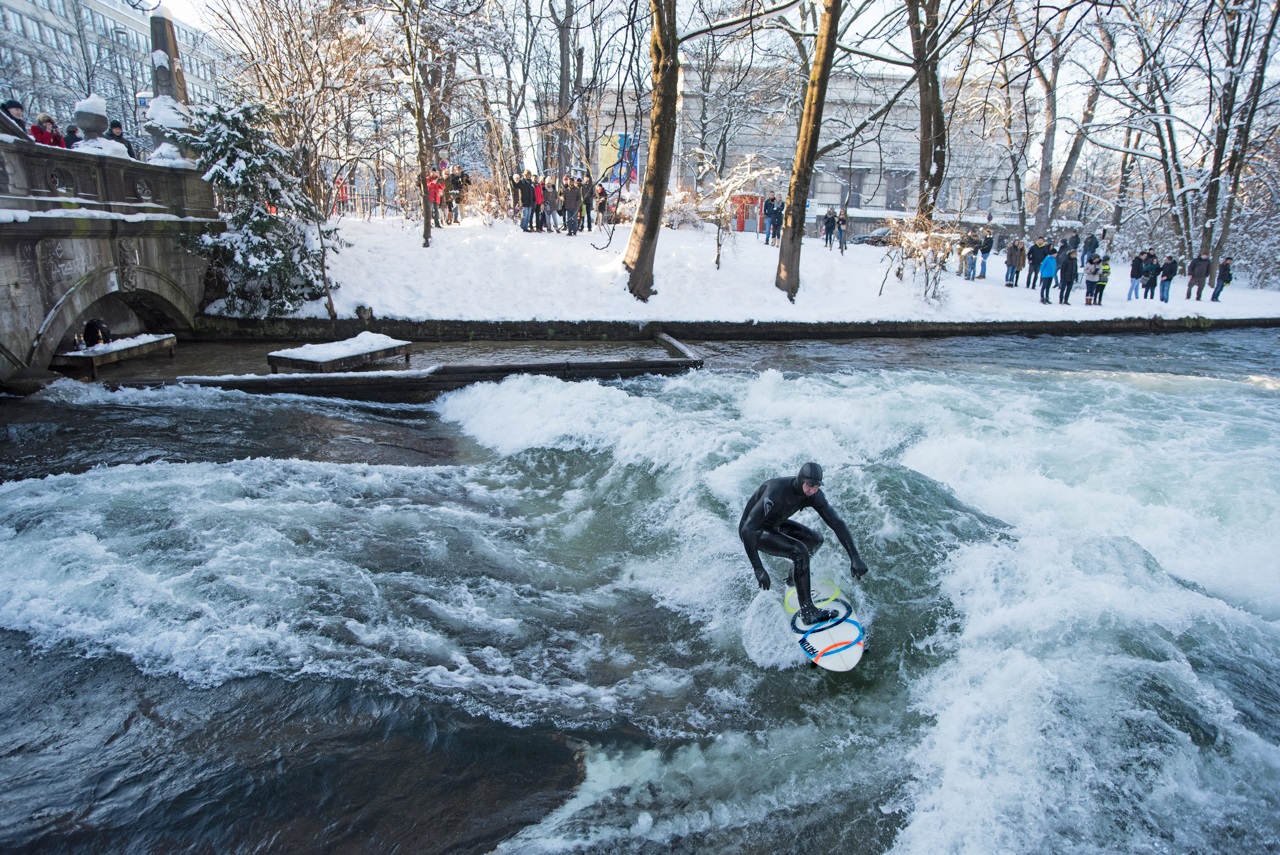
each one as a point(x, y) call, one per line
point(81, 230)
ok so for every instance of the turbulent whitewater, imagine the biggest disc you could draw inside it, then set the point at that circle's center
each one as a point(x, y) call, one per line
point(1073, 610)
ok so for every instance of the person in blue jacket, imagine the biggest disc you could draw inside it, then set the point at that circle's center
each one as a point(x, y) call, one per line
point(766, 526)
point(1048, 273)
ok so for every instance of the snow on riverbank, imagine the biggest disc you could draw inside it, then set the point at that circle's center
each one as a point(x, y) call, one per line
point(478, 272)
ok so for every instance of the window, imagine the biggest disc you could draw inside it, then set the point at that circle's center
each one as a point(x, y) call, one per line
point(985, 189)
point(897, 190)
point(944, 195)
point(853, 179)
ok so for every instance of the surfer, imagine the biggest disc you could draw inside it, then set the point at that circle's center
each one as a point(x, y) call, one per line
point(766, 527)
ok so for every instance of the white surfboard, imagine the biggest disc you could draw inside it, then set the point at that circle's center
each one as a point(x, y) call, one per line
point(837, 644)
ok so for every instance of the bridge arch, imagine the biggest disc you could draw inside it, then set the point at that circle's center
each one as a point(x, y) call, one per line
point(156, 298)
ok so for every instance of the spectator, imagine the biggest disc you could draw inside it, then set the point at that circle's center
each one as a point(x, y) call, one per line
point(1102, 280)
point(13, 112)
point(829, 228)
point(969, 245)
point(1068, 272)
point(1090, 247)
point(602, 205)
point(775, 224)
point(539, 212)
point(1150, 273)
point(1073, 240)
point(72, 136)
point(842, 226)
point(551, 203)
point(1092, 273)
point(1035, 257)
point(1168, 270)
point(435, 196)
point(1015, 257)
point(115, 133)
point(571, 193)
point(988, 243)
point(767, 213)
point(1197, 274)
point(1048, 273)
point(1224, 278)
point(45, 131)
point(458, 183)
point(1135, 274)
point(585, 193)
point(525, 188)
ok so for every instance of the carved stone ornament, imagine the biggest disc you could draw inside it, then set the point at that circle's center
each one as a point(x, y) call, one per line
point(127, 267)
point(142, 187)
point(61, 181)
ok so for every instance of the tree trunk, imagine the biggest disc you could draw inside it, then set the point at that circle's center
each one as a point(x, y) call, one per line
point(643, 246)
point(1077, 144)
point(922, 19)
point(793, 228)
point(1127, 162)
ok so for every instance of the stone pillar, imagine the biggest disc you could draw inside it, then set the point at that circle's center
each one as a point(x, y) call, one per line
point(166, 72)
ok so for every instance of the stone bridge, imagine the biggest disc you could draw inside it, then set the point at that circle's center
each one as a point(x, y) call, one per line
point(86, 235)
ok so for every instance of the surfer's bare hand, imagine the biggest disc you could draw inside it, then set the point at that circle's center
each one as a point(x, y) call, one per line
point(858, 568)
point(763, 579)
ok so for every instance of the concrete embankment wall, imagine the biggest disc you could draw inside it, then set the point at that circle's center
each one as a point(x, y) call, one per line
point(292, 329)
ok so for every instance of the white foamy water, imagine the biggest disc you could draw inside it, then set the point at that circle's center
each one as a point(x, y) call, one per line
point(1072, 602)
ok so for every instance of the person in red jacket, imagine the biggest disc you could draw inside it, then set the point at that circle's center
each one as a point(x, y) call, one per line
point(45, 131)
point(435, 194)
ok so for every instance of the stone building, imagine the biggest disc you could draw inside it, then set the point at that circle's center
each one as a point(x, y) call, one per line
point(54, 52)
point(874, 181)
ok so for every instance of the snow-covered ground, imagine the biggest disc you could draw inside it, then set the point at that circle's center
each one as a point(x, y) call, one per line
point(478, 272)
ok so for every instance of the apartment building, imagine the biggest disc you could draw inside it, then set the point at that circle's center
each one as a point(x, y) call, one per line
point(55, 52)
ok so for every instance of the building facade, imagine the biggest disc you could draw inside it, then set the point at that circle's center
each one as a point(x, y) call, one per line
point(53, 53)
point(874, 180)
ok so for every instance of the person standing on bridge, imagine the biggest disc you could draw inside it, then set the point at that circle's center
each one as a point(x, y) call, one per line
point(45, 131)
point(115, 133)
point(766, 526)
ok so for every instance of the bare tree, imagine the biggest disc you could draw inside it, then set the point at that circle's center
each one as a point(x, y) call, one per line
point(788, 276)
point(664, 43)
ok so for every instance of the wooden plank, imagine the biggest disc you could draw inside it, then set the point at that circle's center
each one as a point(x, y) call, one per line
point(94, 360)
point(344, 363)
point(678, 348)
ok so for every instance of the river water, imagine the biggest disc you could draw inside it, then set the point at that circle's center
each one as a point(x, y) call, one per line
point(520, 617)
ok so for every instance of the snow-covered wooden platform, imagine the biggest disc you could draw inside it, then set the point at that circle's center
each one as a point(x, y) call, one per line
point(114, 351)
point(339, 355)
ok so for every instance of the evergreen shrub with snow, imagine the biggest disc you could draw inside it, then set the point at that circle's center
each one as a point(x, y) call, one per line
point(272, 252)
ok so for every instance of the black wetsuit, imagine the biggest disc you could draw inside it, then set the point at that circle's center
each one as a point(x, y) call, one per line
point(766, 527)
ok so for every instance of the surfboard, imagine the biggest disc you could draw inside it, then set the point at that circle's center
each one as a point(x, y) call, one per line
point(837, 644)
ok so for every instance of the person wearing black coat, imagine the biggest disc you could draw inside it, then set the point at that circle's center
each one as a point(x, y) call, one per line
point(984, 248)
point(1090, 246)
point(571, 197)
point(527, 200)
point(1135, 274)
point(1150, 273)
point(1168, 270)
point(1197, 275)
point(1035, 255)
point(1068, 270)
point(1224, 278)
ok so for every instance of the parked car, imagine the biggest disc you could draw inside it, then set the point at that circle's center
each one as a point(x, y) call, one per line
point(879, 237)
